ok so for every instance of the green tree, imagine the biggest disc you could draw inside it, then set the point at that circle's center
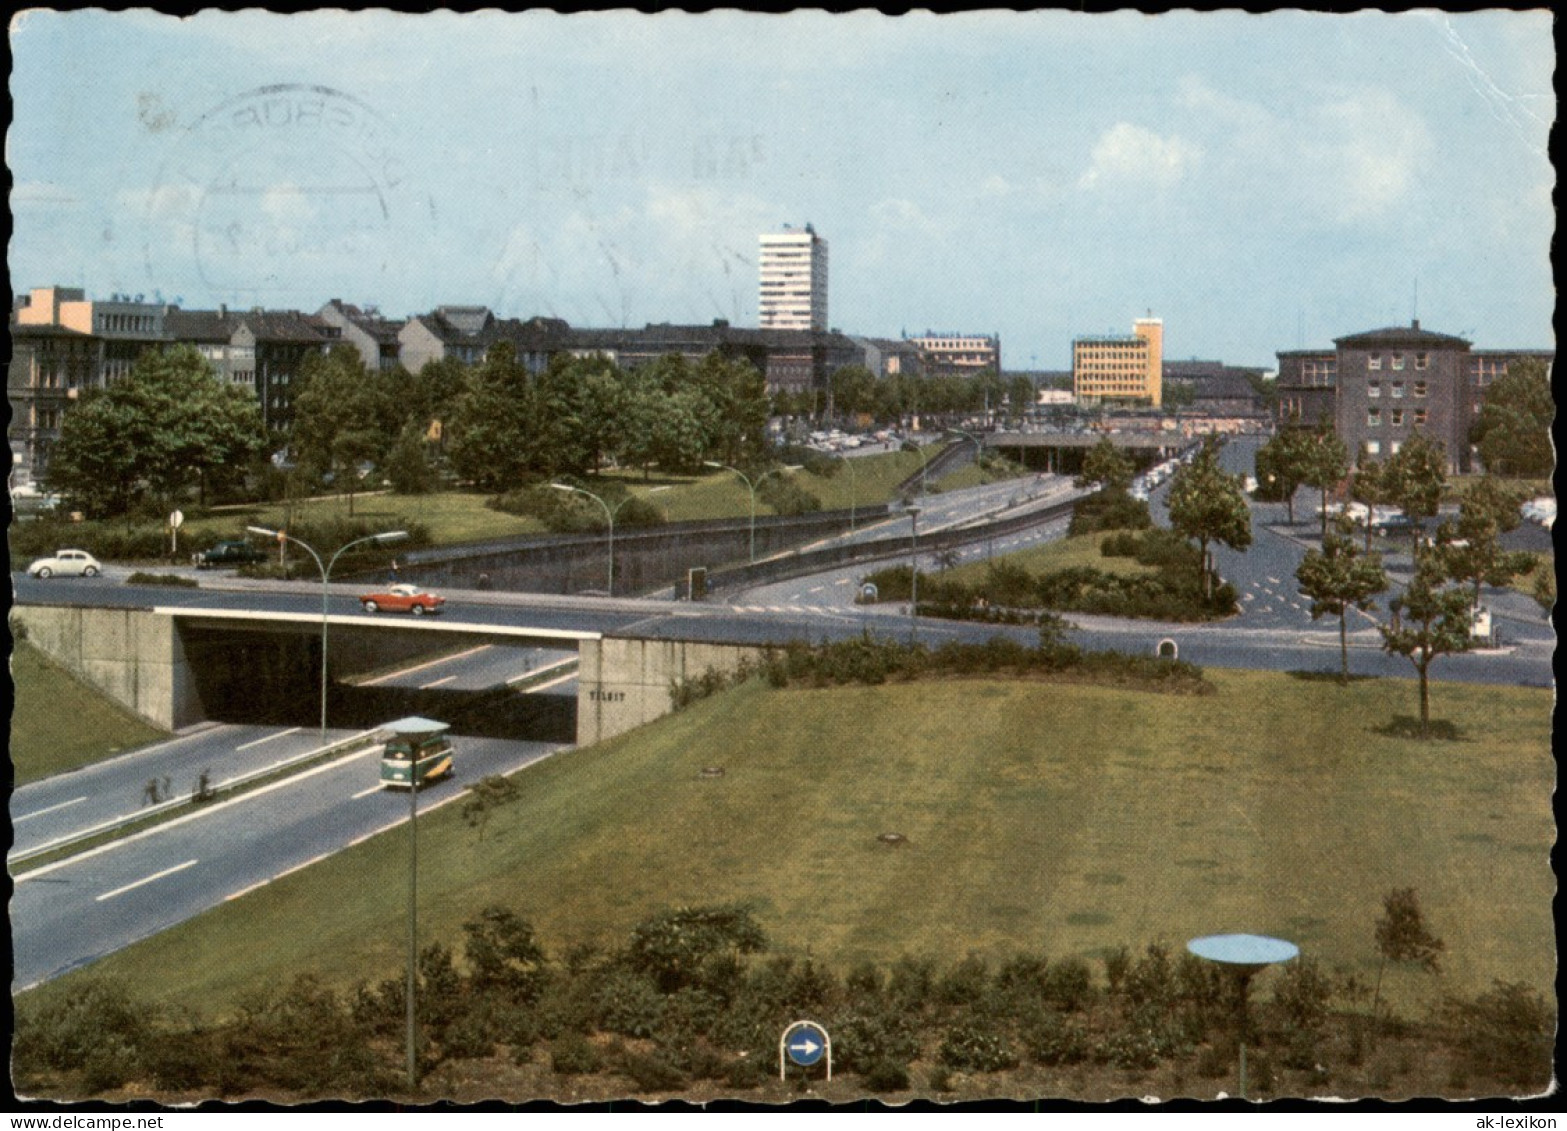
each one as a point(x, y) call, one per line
point(1208, 504)
point(853, 391)
point(407, 465)
point(1428, 621)
point(1020, 396)
point(1470, 550)
point(1513, 430)
point(1324, 462)
point(1403, 937)
point(1281, 467)
point(1370, 485)
point(1337, 578)
point(1416, 475)
point(338, 417)
point(1106, 466)
point(168, 424)
point(490, 439)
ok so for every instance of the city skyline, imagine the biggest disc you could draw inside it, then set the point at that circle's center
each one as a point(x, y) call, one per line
point(1042, 177)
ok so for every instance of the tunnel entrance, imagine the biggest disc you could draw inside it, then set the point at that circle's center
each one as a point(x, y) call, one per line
point(272, 677)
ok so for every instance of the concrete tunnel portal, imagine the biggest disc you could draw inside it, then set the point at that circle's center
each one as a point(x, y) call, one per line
point(268, 672)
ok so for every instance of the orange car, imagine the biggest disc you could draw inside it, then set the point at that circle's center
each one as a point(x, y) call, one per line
point(402, 599)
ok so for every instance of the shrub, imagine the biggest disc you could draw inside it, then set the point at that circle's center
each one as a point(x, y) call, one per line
point(1151, 979)
point(1069, 985)
point(1050, 1040)
point(92, 1020)
point(745, 1072)
point(141, 577)
point(863, 1040)
point(977, 1048)
point(965, 984)
point(784, 496)
point(1303, 994)
point(887, 1076)
point(572, 1055)
point(1505, 1034)
point(1109, 509)
point(627, 1002)
point(503, 955)
point(652, 1073)
point(1121, 544)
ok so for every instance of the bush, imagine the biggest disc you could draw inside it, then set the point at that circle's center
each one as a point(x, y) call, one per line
point(652, 1073)
point(1122, 544)
point(1505, 1034)
point(572, 1055)
point(628, 1003)
point(1069, 985)
point(887, 1076)
point(93, 1020)
point(1109, 509)
point(166, 579)
point(745, 1072)
point(1051, 1040)
point(863, 1040)
point(784, 496)
point(977, 1048)
point(1303, 994)
point(503, 955)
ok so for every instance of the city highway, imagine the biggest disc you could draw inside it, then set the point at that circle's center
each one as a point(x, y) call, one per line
point(66, 914)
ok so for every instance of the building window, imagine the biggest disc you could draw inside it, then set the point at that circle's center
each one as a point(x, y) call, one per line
point(1398, 390)
point(1396, 445)
point(1374, 418)
point(1422, 360)
point(1373, 389)
point(1398, 361)
point(1420, 417)
point(1398, 418)
point(1420, 388)
point(1373, 447)
point(1374, 361)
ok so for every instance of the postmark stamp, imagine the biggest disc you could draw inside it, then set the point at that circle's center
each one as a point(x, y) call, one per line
point(279, 184)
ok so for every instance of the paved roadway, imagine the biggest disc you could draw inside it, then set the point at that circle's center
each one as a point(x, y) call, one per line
point(67, 914)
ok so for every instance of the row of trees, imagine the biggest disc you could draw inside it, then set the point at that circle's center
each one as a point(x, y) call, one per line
point(855, 391)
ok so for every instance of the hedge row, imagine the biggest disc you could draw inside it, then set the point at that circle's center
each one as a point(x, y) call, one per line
point(692, 995)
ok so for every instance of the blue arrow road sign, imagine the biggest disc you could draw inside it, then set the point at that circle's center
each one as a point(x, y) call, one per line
point(805, 1043)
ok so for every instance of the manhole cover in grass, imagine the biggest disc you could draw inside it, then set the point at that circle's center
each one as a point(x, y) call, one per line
point(711, 772)
point(1089, 918)
point(1105, 878)
point(896, 840)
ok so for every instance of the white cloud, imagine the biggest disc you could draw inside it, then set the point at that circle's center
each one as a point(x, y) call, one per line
point(903, 215)
point(996, 185)
point(1371, 153)
point(1134, 155)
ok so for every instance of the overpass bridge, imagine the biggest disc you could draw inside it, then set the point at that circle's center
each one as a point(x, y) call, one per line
point(178, 664)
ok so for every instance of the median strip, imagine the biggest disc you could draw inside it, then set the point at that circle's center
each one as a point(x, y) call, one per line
point(36, 860)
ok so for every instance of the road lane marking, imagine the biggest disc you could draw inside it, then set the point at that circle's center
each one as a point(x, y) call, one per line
point(552, 683)
point(436, 682)
point(50, 809)
point(1275, 580)
point(268, 738)
point(427, 664)
point(366, 792)
point(818, 589)
point(146, 880)
point(204, 811)
point(570, 661)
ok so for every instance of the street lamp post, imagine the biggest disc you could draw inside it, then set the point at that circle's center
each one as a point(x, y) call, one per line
point(914, 574)
point(609, 514)
point(751, 486)
point(326, 573)
point(979, 462)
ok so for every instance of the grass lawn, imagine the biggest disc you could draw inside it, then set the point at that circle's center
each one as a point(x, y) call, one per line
point(1082, 550)
point(452, 516)
point(1039, 817)
point(60, 724)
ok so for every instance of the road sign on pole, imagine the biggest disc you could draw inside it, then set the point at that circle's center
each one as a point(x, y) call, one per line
point(805, 1043)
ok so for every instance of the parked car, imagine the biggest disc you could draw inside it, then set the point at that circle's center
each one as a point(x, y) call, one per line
point(1391, 524)
point(229, 553)
point(402, 599)
point(66, 563)
point(1542, 511)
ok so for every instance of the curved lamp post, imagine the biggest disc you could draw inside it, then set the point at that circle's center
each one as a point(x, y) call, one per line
point(610, 514)
point(751, 486)
point(326, 573)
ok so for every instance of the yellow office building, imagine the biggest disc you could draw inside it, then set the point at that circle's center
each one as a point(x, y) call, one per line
point(1116, 368)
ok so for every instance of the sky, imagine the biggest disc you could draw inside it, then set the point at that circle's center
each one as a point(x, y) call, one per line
point(1261, 183)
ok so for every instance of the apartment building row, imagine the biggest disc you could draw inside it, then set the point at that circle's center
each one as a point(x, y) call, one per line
point(1378, 387)
point(64, 342)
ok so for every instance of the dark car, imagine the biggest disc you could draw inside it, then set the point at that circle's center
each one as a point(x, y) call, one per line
point(229, 554)
point(1395, 524)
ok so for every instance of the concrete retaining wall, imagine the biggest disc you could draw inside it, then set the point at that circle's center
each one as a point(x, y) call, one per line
point(133, 656)
point(625, 683)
